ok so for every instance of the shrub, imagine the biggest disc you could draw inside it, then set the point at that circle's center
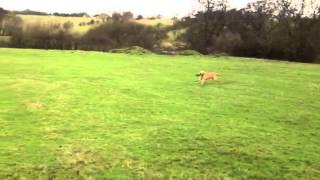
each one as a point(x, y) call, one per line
point(117, 35)
point(41, 37)
point(68, 25)
point(188, 53)
point(11, 24)
point(139, 17)
point(220, 54)
point(136, 50)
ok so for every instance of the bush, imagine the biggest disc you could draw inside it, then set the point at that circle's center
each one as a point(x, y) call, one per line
point(188, 53)
point(42, 37)
point(135, 50)
point(4, 41)
point(68, 25)
point(10, 25)
point(220, 54)
point(181, 53)
point(117, 35)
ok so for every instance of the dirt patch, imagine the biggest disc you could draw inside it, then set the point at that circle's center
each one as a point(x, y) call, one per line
point(34, 106)
point(53, 133)
point(82, 161)
point(79, 156)
point(312, 171)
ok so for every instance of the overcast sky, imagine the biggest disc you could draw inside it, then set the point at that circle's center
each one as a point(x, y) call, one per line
point(144, 7)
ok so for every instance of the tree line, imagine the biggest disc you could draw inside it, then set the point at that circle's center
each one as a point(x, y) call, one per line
point(117, 32)
point(273, 29)
point(39, 13)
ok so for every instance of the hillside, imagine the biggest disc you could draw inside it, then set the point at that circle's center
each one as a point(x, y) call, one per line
point(50, 20)
point(71, 114)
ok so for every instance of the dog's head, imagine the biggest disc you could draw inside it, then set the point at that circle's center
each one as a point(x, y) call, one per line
point(201, 73)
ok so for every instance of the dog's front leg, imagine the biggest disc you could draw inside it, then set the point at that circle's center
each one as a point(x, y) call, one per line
point(202, 82)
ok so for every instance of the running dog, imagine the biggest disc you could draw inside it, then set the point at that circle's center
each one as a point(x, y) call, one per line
point(204, 76)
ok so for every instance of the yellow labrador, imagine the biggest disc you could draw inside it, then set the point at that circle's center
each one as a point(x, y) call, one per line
point(204, 76)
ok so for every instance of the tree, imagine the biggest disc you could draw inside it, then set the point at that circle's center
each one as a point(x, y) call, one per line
point(122, 34)
point(104, 17)
point(276, 29)
point(116, 17)
point(43, 37)
point(68, 25)
point(139, 17)
point(126, 16)
point(11, 24)
point(206, 25)
point(2, 15)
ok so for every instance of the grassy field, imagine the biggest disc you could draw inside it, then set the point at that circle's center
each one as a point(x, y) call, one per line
point(73, 114)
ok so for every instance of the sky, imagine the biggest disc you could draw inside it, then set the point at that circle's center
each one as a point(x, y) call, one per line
point(166, 8)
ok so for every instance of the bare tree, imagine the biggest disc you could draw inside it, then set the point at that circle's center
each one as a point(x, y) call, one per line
point(2, 15)
point(212, 16)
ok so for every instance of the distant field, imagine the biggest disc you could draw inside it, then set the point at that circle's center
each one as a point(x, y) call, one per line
point(166, 22)
point(91, 115)
point(49, 20)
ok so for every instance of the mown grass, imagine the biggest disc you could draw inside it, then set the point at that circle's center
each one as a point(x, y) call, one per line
point(73, 114)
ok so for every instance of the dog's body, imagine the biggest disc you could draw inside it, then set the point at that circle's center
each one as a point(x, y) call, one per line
point(204, 76)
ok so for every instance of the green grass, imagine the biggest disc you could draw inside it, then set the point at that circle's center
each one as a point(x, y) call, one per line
point(73, 114)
